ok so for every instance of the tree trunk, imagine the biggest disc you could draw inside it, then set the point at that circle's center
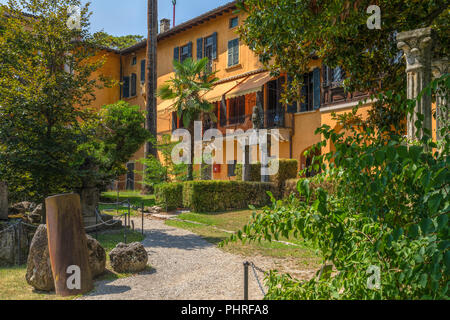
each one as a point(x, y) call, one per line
point(152, 23)
point(191, 165)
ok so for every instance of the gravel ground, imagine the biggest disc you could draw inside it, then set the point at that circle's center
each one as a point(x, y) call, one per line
point(185, 267)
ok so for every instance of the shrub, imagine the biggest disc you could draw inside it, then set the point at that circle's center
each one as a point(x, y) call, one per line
point(290, 186)
point(214, 196)
point(255, 172)
point(288, 169)
point(169, 195)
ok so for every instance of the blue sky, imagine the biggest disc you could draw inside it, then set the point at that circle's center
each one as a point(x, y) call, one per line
point(122, 17)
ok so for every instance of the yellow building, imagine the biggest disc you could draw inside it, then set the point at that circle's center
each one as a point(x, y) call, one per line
point(243, 81)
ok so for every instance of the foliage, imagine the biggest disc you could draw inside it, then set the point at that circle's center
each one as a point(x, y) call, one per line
point(160, 171)
point(116, 42)
point(390, 210)
point(213, 196)
point(169, 195)
point(255, 172)
point(45, 85)
point(192, 80)
point(289, 34)
point(113, 137)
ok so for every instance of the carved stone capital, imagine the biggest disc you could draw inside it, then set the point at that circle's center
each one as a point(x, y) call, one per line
point(416, 45)
point(439, 67)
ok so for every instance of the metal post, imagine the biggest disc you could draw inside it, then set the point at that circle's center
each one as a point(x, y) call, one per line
point(19, 229)
point(129, 213)
point(246, 264)
point(142, 212)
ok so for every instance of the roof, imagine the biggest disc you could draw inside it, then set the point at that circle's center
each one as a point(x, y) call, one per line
point(185, 26)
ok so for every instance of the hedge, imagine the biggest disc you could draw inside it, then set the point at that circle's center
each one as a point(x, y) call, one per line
point(255, 172)
point(169, 195)
point(290, 187)
point(214, 196)
point(288, 169)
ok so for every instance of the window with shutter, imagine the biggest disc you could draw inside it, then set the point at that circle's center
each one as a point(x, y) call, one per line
point(133, 84)
point(307, 93)
point(176, 54)
point(292, 108)
point(316, 88)
point(186, 52)
point(126, 87)
point(233, 52)
point(174, 120)
point(142, 71)
point(199, 48)
point(214, 52)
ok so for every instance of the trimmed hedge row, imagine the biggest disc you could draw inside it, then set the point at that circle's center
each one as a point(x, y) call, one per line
point(288, 169)
point(169, 195)
point(290, 187)
point(214, 196)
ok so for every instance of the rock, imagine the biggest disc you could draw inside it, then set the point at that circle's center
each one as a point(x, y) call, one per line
point(39, 270)
point(128, 257)
point(97, 257)
point(10, 233)
point(22, 207)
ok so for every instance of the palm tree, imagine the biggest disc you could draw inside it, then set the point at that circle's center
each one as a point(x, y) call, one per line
point(191, 81)
point(152, 26)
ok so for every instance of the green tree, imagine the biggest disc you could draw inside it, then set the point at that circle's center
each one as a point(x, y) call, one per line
point(112, 138)
point(116, 42)
point(289, 34)
point(45, 86)
point(388, 209)
point(192, 79)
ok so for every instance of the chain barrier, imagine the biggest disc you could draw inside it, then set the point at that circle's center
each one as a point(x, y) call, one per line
point(254, 269)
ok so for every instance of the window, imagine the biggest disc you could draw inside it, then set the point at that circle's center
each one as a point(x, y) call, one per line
point(142, 71)
point(134, 61)
point(232, 169)
point(233, 52)
point(210, 49)
point(237, 110)
point(234, 22)
point(174, 120)
point(186, 52)
point(311, 91)
point(133, 84)
point(126, 87)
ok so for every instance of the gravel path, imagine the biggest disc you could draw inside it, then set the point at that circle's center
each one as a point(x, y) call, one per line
point(184, 267)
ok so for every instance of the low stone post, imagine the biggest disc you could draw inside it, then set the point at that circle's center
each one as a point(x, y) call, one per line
point(416, 45)
point(67, 243)
point(3, 201)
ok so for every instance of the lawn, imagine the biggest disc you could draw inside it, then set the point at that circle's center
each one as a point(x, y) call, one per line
point(303, 253)
point(13, 285)
point(135, 197)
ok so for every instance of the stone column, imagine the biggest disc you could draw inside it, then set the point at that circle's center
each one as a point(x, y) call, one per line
point(439, 67)
point(3, 201)
point(416, 45)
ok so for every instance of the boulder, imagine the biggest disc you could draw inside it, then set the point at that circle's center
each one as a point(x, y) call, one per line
point(127, 258)
point(97, 257)
point(39, 271)
point(22, 207)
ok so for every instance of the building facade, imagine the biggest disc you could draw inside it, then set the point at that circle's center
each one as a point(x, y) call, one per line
point(243, 84)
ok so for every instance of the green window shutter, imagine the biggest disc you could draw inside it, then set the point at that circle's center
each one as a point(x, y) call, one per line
point(190, 49)
point(293, 107)
point(126, 87)
point(316, 88)
point(143, 71)
point(174, 120)
point(199, 48)
point(214, 51)
point(236, 51)
point(133, 84)
point(176, 54)
point(230, 53)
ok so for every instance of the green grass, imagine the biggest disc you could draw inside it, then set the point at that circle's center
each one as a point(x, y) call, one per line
point(13, 285)
point(303, 254)
point(136, 199)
